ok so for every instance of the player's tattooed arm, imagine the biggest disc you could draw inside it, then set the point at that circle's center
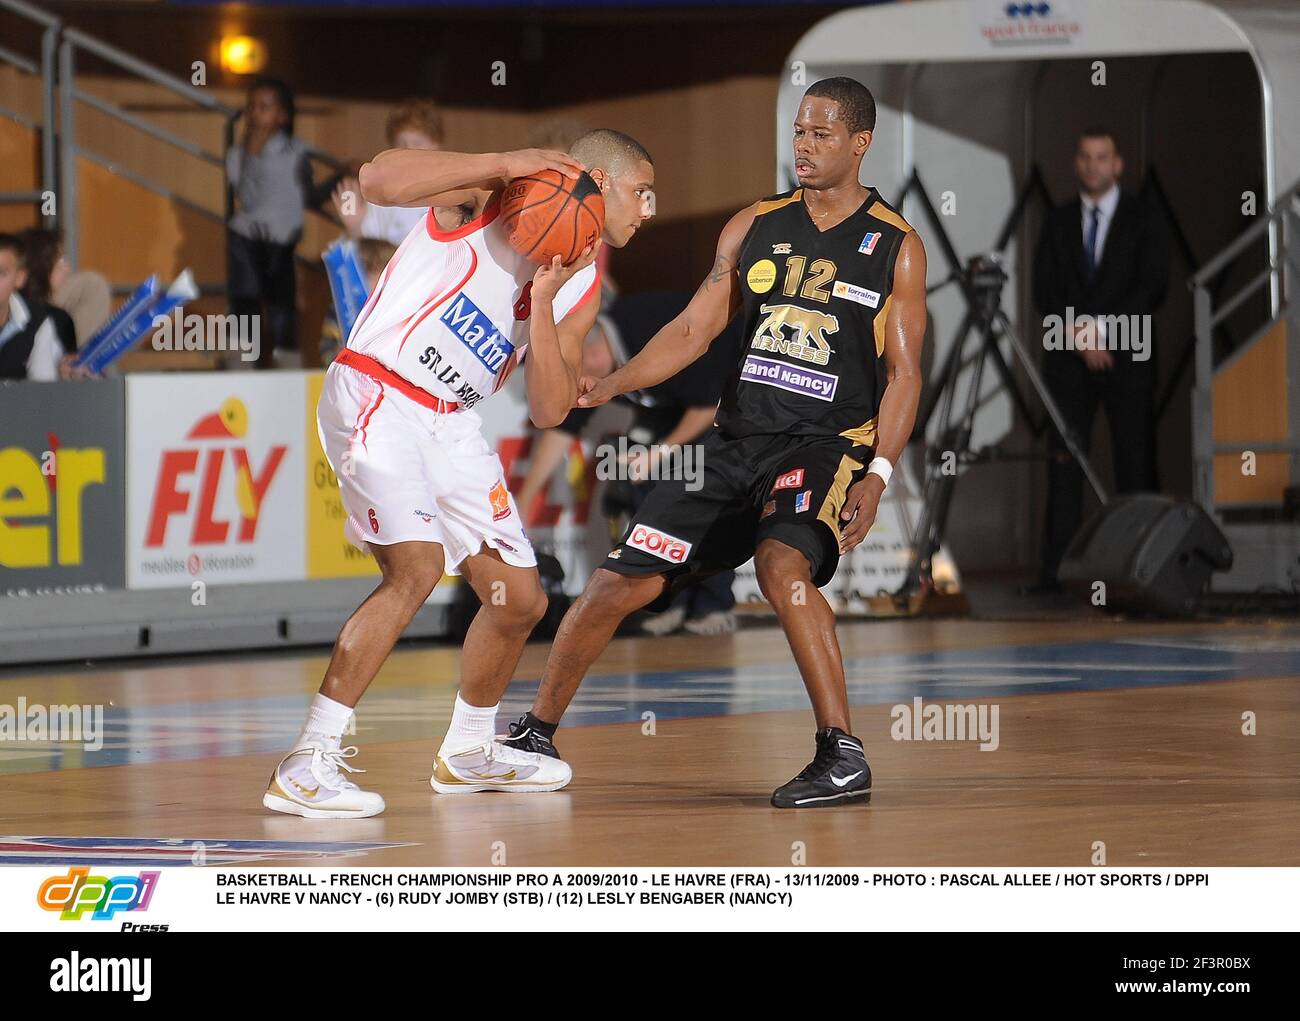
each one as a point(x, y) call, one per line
point(688, 336)
point(721, 272)
point(431, 177)
point(904, 337)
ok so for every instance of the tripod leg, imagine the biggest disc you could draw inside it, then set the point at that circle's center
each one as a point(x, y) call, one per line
point(939, 485)
point(951, 365)
point(918, 559)
point(1053, 410)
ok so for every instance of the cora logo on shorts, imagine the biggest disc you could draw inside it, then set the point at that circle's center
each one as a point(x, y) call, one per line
point(790, 480)
point(374, 521)
point(74, 894)
point(659, 544)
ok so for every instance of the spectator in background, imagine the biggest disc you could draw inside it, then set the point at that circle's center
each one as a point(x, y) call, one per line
point(43, 264)
point(413, 124)
point(271, 175)
point(673, 414)
point(81, 300)
point(1104, 253)
point(374, 255)
point(30, 346)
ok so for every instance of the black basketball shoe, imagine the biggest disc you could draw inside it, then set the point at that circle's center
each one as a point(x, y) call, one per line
point(528, 739)
point(839, 773)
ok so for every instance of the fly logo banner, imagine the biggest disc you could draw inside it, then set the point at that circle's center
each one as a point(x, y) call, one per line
point(218, 466)
point(77, 894)
point(214, 490)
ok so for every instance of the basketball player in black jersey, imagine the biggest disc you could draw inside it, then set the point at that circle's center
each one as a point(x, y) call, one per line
point(830, 281)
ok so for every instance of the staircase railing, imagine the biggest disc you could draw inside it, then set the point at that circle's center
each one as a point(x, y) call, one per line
point(1281, 228)
point(61, 47)
point(45, 69)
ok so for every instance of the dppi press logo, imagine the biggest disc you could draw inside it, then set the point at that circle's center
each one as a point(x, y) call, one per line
point(74, 894)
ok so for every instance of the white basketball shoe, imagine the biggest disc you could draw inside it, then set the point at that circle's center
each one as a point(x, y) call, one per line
point(494, 766)
point(309, 782)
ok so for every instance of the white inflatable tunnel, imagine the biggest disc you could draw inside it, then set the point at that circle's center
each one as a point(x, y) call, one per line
point(974, 94)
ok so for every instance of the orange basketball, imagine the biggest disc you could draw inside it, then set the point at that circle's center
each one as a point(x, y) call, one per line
point(547, 214)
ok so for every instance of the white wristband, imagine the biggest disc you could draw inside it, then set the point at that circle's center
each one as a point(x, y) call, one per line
point(881, 467)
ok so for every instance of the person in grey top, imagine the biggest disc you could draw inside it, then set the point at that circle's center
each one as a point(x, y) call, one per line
point(271, 176)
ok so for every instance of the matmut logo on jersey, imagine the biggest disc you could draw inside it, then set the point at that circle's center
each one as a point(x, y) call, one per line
point(477, 332)
point(212, 493)
point(659, 544)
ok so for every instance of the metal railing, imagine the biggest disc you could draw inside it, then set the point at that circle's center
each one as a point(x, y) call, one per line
point(50, 26)
point(1280, 228)
point(60, 150)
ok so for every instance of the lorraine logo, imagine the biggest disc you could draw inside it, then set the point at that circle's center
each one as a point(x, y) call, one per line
point(219, 462)
point(78, 892)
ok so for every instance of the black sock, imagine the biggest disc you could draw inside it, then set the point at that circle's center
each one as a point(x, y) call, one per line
point(547, 730)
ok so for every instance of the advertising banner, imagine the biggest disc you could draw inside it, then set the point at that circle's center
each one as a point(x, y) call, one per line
point(62, 492)
point(213, 478)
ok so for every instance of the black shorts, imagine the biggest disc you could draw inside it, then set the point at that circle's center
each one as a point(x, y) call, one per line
point(788, 488)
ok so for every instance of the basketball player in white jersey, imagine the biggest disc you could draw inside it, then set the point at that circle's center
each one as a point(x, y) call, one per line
point(451, 317)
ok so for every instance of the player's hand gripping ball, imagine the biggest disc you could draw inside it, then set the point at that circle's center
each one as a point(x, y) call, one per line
point(547, 214)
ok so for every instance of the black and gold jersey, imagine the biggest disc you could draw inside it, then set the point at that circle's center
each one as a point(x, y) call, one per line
point(814, 309)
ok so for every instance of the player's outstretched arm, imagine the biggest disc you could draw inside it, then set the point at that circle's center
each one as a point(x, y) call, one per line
point(904, 337)
point(426, 177)
point(688, 336)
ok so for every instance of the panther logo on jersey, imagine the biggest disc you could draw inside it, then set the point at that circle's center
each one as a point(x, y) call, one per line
point(806, 337)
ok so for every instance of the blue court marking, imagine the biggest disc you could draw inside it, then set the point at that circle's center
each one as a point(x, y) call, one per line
point(149, 852)
point(229, 727)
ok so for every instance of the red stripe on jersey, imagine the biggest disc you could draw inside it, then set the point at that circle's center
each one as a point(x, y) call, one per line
point(593, 289)
point(363, 419)
point(383, 374)
point(425, 314)
point(511, 364)
point(373, 300)
point(490, 212)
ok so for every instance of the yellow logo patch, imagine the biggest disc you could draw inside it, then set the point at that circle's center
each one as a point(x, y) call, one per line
point(761, 276)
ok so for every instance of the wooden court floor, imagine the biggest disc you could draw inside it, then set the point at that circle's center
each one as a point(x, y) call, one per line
point(1119, 735)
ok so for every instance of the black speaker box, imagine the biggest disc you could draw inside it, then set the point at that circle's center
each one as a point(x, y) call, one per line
point(1155, 555)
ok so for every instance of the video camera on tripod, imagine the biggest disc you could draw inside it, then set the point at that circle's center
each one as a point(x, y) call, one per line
point(982, 281)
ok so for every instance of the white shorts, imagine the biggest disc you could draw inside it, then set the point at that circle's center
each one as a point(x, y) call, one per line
point(408, 473)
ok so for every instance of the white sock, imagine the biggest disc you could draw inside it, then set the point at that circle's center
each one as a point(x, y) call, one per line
point(327, 721)
point(470, 725)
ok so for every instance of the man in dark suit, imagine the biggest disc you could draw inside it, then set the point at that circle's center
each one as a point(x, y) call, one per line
point(1100, 273)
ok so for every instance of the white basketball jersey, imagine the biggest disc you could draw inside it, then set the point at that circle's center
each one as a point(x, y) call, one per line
point(452, 308)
